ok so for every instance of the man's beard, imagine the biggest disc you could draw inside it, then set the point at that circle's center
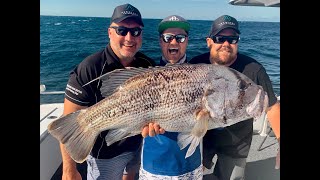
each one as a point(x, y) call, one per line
point(216, 59)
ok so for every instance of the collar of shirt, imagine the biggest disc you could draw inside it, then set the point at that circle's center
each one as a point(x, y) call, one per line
point(182, 60)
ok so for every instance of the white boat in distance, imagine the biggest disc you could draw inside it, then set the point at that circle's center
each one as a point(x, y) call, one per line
point(266, 3)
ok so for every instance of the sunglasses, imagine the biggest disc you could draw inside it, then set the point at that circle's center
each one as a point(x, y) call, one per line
point(123, 31)
point(222, 39)
point(167, 38)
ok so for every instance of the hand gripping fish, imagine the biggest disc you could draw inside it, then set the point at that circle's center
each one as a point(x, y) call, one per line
point(189, 99)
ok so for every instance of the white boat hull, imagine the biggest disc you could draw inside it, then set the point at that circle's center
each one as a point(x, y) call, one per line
point(50, 155)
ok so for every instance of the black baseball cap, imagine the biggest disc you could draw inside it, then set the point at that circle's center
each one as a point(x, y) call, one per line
point(173, 21)
point(224, 22)
point(125, 11)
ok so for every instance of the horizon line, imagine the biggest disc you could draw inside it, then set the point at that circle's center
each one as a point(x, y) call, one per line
point(155, 18)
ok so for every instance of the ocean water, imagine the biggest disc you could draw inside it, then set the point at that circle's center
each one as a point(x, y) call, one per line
point(65, 41)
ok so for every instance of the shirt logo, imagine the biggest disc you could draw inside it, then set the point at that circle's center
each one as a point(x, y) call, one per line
point(73, 90)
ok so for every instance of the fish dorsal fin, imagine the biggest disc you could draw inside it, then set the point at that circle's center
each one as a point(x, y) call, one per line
point(114, 79)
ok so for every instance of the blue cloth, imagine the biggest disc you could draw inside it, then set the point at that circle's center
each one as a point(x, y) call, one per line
point(163, 156)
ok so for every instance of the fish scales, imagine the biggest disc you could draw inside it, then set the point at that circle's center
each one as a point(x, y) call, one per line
point(139, 91)
point(179, 98)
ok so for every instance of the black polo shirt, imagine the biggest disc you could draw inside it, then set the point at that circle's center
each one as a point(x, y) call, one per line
point(90, 68)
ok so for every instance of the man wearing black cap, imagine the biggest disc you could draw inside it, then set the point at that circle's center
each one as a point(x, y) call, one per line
point(232, 144)
point(161, 157)
point(125, 34)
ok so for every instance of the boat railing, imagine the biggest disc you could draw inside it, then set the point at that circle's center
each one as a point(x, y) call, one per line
point(43, 90)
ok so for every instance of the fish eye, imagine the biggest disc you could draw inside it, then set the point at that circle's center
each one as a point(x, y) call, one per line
point(243, 85)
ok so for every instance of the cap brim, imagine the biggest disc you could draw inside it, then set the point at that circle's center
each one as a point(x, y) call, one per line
point(136, 18)
point(173, 24)
point(225, 27)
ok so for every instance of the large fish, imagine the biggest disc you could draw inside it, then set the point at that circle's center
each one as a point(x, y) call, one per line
point(189, 99)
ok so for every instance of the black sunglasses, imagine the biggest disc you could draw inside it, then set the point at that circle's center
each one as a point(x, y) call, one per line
point(123, 31)
point(222, 39)
point(167, 38)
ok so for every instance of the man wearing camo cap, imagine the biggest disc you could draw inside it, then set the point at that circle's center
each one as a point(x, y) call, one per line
point(161, 157)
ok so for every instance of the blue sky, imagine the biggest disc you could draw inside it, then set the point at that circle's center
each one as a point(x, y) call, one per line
point(189, 9)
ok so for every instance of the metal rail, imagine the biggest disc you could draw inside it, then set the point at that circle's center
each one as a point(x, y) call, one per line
point(43, 89)
point(53, 92)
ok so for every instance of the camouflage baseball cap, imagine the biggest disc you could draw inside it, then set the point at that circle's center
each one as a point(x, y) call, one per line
point(173, 21)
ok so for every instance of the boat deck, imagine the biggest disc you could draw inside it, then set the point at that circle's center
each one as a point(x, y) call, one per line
point(260, 164)
point(261, 159)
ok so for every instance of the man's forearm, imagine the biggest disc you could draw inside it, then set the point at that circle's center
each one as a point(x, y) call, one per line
point(273, 116)
point(68, 163)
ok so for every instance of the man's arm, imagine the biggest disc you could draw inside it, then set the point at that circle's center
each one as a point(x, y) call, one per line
point(273, 115)
point(69, 171)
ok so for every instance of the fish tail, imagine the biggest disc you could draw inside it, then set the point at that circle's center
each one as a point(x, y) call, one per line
point(77, 141)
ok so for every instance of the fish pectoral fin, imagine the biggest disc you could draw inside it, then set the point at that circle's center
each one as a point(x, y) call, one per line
point(202, 114)
point(184, 139)
point(198, 131)
point(117, 135)
point(202, 120)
